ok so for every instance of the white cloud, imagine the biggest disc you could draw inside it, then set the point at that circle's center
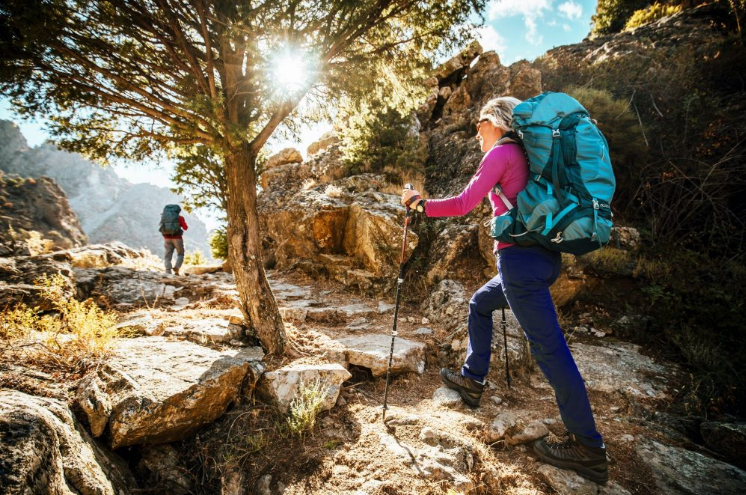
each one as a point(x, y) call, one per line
point(490, 39)
point(526, 8)
point(531, 34)
point(571, 10)
point(530, 10)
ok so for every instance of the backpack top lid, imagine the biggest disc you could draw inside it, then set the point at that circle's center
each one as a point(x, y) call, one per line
point(172, 208)
point(546, 109)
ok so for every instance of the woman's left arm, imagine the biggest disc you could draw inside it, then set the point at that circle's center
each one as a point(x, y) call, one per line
point(489, 173)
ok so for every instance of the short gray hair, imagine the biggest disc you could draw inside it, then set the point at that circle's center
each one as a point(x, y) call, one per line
point(499, 111)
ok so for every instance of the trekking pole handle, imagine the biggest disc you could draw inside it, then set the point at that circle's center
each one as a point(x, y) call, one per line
point(410, 187)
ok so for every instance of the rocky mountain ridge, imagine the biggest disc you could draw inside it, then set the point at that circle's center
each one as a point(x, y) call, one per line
point(109, 208)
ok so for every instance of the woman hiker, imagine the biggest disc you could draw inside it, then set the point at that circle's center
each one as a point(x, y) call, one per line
point(522, 283)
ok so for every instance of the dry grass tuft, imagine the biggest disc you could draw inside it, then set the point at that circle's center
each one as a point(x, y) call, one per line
point(75, 336)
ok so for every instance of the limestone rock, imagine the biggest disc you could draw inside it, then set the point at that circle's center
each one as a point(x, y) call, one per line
point(45, 451)
point(525, 81)
point(619, 366)
point(501, 426)
point(679, 471)
point(282, 385)
point(284, 176)
point(372, 351)
point(288, 155)
point(447, 305)
point(346, 218)
point(205, 330)
point(458, 102)
point(19, 274)
point(325, 141)
point(155, 390)
point(125, 286)
point(528, 433)
point(459, 62)
point(446, 397)
point(566, 482)
point(104, 255)
point(36, 217)
point(373, 234)
point(448, 249)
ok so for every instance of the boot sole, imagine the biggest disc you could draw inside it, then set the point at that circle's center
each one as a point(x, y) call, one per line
point(463, 393)
point(600, 477)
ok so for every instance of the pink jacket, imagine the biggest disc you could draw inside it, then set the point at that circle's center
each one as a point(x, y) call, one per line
point(505, 165)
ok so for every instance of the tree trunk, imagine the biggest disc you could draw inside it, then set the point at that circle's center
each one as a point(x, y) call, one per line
point(245, 254)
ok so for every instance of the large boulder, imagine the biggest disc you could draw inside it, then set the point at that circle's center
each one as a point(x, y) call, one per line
point(288, 155)
point(349, 218)
point(44, 450)
point(20, 276)
point(679, 471)
point(104, 255)
point(326, 141)
point(154, 390)
point(36, 217)
point(125, 287)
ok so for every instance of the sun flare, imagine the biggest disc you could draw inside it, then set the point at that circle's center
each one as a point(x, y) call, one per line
point(290, 71)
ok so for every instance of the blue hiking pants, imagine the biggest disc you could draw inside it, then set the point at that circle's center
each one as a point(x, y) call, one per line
point(522, 283)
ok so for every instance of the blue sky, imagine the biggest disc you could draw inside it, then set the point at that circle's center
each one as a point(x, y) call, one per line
point(515, 29)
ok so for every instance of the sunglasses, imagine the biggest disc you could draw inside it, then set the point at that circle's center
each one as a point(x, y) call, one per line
point(481, 121)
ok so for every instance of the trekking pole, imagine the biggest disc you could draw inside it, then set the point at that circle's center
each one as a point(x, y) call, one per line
point(399, 282)
point(504, 326)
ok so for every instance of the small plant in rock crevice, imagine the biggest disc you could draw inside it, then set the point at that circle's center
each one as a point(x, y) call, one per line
point(306, 406)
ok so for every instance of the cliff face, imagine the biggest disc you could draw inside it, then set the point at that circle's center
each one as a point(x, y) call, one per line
point(109, 208)
point(35, 216)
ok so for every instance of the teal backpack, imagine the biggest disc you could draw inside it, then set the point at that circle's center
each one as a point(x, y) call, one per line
point(566, 204)
point(170, 220)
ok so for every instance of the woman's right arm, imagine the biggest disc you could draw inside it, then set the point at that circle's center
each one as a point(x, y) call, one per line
point(489, 173)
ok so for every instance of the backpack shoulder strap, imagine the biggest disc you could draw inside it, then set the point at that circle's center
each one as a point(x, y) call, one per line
point(509, 137)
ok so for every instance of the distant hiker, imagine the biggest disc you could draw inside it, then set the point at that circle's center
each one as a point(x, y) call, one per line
point(522, 283)
point(172, 227)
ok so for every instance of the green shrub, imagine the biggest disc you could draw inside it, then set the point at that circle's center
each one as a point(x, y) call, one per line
point(651, 14)
point(381, 139)
point(195, 258)
point(306, 406)
point(219, 244)
point(610, 261)
point(699, 315)
point(612, 15)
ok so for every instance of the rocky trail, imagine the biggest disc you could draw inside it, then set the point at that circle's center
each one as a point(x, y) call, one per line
point(189, 404)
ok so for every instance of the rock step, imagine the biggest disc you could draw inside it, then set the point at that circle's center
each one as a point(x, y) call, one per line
point(154, 390)
point(372, 351)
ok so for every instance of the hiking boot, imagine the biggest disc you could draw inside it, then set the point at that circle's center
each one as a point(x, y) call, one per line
point(176, 272)
point(470, 390)
point(588, 462)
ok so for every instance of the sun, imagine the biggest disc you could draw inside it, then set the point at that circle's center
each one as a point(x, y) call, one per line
point(291, 71)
